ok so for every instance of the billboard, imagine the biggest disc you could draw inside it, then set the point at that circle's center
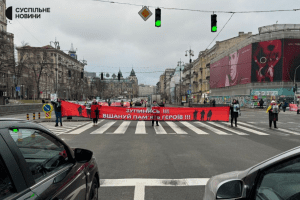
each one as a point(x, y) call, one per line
point(217, 73)
point(232, 70)
point(267, 61)
point(239, 67)
point(291, 53)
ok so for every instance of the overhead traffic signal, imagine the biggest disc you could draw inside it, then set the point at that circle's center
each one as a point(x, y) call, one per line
point(157, 17)
point(295, 88)
point(101, 75)
point(213, 23)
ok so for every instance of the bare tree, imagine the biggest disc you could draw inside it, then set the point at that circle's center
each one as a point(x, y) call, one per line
point(38, 63)
point(6, 51)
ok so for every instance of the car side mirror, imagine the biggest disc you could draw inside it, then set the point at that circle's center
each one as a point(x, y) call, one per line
point(83, 155)
point(232, 189)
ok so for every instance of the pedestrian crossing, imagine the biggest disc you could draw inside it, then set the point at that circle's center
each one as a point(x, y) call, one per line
point(117, 127)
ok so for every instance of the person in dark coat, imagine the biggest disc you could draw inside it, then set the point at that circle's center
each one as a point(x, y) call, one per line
point(214, 103)
point(154, 115)
point(285, 104)
point(261, 103)
point(202, 115)
point(195, 115)
point(234, 111)
point(273, 115)
point(204, 101)
point(95, 120)
point(209, 114)
point(57, 109)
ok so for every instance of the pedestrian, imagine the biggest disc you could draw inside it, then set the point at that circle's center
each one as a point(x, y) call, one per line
point(122, 103)
point(261, 103)
point(204, 101)
point(285, 104)
point(57, 109)
point(95, 120)
point(214, 103)
point(234, 111)
point(154, 116)
point(273, 111)
point(131, 103)
point(109, 102)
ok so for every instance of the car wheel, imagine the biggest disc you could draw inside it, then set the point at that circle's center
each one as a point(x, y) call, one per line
point(94, 190)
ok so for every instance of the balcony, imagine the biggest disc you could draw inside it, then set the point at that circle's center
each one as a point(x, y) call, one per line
point(200, 80)
point(195, 82)
point(195, 73)
point(207, 77)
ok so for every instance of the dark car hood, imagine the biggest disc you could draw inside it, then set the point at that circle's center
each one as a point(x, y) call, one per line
point(213, 183)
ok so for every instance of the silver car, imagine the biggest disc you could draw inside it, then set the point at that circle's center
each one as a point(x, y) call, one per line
point(277, 178)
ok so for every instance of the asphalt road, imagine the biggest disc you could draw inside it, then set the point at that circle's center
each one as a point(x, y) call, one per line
point(172, 162)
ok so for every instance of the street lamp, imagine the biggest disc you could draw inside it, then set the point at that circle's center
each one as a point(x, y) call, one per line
point(295, 84)
point(191, 53)
point(179, 64)
point(56, 43)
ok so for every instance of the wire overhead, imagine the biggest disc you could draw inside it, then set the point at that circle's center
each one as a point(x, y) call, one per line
point(208, 11)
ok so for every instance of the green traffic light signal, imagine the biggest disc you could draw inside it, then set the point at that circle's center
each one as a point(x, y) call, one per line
point(158, 23)
point(214, 29)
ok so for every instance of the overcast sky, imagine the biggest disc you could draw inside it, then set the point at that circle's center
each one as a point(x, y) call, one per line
point(112, 36)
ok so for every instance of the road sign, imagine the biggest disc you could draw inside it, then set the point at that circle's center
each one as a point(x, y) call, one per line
point(189, 91)
point(46, 107)
point(18, 89)
point(145, 13)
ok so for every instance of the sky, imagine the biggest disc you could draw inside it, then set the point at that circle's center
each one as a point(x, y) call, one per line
point(111, 36)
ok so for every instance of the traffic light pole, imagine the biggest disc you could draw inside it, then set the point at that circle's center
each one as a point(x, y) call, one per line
point(295, 85)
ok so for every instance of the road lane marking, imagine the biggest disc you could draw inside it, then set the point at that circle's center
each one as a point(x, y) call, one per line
point(140, 128)
point(103, 128)
point(193, 128)
point(83, 128)
point(287, 131)
point(217, 131)
point(229, 129)
point(122, 128)
point(251, 130)
point(176, 128)
point(159, 129)
point(140, 184)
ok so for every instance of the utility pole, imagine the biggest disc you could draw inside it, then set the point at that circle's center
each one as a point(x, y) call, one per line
point(56, 43)
point(191, 53)
point(179, 64)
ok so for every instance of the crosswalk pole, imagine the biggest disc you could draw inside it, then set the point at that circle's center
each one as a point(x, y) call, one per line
point(33, 116)
point(27, 116)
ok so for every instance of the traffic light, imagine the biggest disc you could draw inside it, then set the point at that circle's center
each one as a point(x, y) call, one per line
point(295, 88)
point(119, 76)
point(81, 74)
point(214, 23)
point(101, 75)
point(157, 17)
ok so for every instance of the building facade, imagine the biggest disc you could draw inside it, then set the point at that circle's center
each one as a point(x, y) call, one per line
point(145, 90)
point(263, 66)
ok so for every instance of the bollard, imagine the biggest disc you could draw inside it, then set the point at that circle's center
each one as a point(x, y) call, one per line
point(33, 116)
point(27, 116)
point(39, 115)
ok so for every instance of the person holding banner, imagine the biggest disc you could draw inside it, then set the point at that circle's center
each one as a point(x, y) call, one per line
point(273, 111)
point(95, 120)
point(234, 108)
point(57, 109)
point(154, 116)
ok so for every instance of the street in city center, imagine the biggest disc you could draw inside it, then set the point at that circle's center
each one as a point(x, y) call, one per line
point(173, 161)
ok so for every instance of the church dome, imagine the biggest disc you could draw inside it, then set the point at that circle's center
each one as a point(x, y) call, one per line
point(132, 73)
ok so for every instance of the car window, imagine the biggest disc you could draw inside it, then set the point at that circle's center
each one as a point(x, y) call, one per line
point(43, 154)
point(281, 182)
point(6, 184)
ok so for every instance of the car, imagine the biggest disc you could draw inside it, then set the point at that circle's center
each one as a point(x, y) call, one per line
point(276, 178)
point(36, 164)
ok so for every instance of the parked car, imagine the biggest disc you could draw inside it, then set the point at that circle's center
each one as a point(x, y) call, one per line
point(276, 178)
point(36, 164)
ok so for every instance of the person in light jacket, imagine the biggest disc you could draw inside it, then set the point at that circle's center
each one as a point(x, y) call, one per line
point(273, 111)
point(234, 111)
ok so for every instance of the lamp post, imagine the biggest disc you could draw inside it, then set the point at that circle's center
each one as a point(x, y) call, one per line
point(179, 64)
point(56, 43)
point(191, 53)
point(295, 84)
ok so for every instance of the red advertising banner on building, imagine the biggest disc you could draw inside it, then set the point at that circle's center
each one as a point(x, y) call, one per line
point(291, 53)
point(146, 114)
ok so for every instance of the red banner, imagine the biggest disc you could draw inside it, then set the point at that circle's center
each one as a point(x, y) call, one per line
point(294, 107)
point(146, 114)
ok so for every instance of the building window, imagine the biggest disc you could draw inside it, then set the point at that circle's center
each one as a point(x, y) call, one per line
point(51, 54)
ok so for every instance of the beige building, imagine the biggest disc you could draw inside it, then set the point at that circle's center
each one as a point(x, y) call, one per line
point(201, 66)
point(145, 90)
